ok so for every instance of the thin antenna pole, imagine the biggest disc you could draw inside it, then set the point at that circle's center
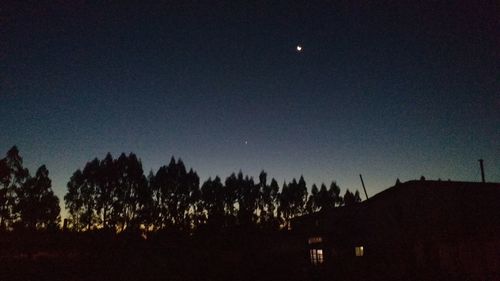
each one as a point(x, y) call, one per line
point(482, 169)
point(363, 184)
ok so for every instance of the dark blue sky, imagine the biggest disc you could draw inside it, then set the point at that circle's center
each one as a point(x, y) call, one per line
point(384, 89)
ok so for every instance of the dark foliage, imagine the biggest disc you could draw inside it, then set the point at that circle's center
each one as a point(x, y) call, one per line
point(115, 194)
point(26, 202)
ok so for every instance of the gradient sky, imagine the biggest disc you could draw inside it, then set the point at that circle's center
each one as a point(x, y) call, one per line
point(386, 90)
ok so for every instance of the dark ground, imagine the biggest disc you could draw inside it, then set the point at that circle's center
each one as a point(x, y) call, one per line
point(240, 255)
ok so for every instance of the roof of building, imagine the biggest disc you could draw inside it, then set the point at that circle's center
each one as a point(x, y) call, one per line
point(431, 209)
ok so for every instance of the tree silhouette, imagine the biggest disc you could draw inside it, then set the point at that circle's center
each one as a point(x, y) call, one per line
point(268, 201)
point(38, 206)
point(151, 210)
point(109, 193)
point(292, 200)
point(4, 200)
point(159, 184)
point(144, 213)
point(299, 197)
point(284, 204)
point(176, 193)
point(334, 193)
point(230, 194)
point(115, 194)
point(80, 200)
point(12, 177)
point(323, 199)
point(192, 206)
point(351, 198)
point(185, 187)
point(105, 178)
point(168, 188)
point(357, 198)
point(262, 186)
point(212, 200)
point(247, 196)
point(312, 201)
point(131, 182)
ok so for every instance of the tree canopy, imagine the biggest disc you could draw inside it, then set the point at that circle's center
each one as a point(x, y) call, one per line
point(25, 201)
point(114, 194)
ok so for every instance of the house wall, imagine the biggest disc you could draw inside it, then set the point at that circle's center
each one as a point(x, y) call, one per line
point(420, 230)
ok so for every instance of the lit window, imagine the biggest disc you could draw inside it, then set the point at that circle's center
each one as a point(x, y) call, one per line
point(315, 240)
point(359, 251)
point(316, 256)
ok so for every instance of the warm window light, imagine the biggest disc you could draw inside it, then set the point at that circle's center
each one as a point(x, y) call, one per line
point(314, 240)
point(316, 256)
point(359, 251)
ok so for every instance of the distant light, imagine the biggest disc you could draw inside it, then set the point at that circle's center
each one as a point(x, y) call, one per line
point(316, 256)
point(314, 240)
point(359, 251)
point(299, 48)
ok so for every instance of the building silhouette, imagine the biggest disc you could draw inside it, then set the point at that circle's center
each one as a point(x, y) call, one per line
point(417, 230)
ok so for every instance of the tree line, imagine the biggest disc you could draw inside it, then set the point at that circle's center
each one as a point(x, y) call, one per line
point(115, 194)
point(26, 202)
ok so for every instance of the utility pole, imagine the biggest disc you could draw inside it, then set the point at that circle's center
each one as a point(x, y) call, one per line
point(482, 170)
point(363, 184)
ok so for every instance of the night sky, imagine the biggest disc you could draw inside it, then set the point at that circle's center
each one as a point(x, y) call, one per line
point(388, 90)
